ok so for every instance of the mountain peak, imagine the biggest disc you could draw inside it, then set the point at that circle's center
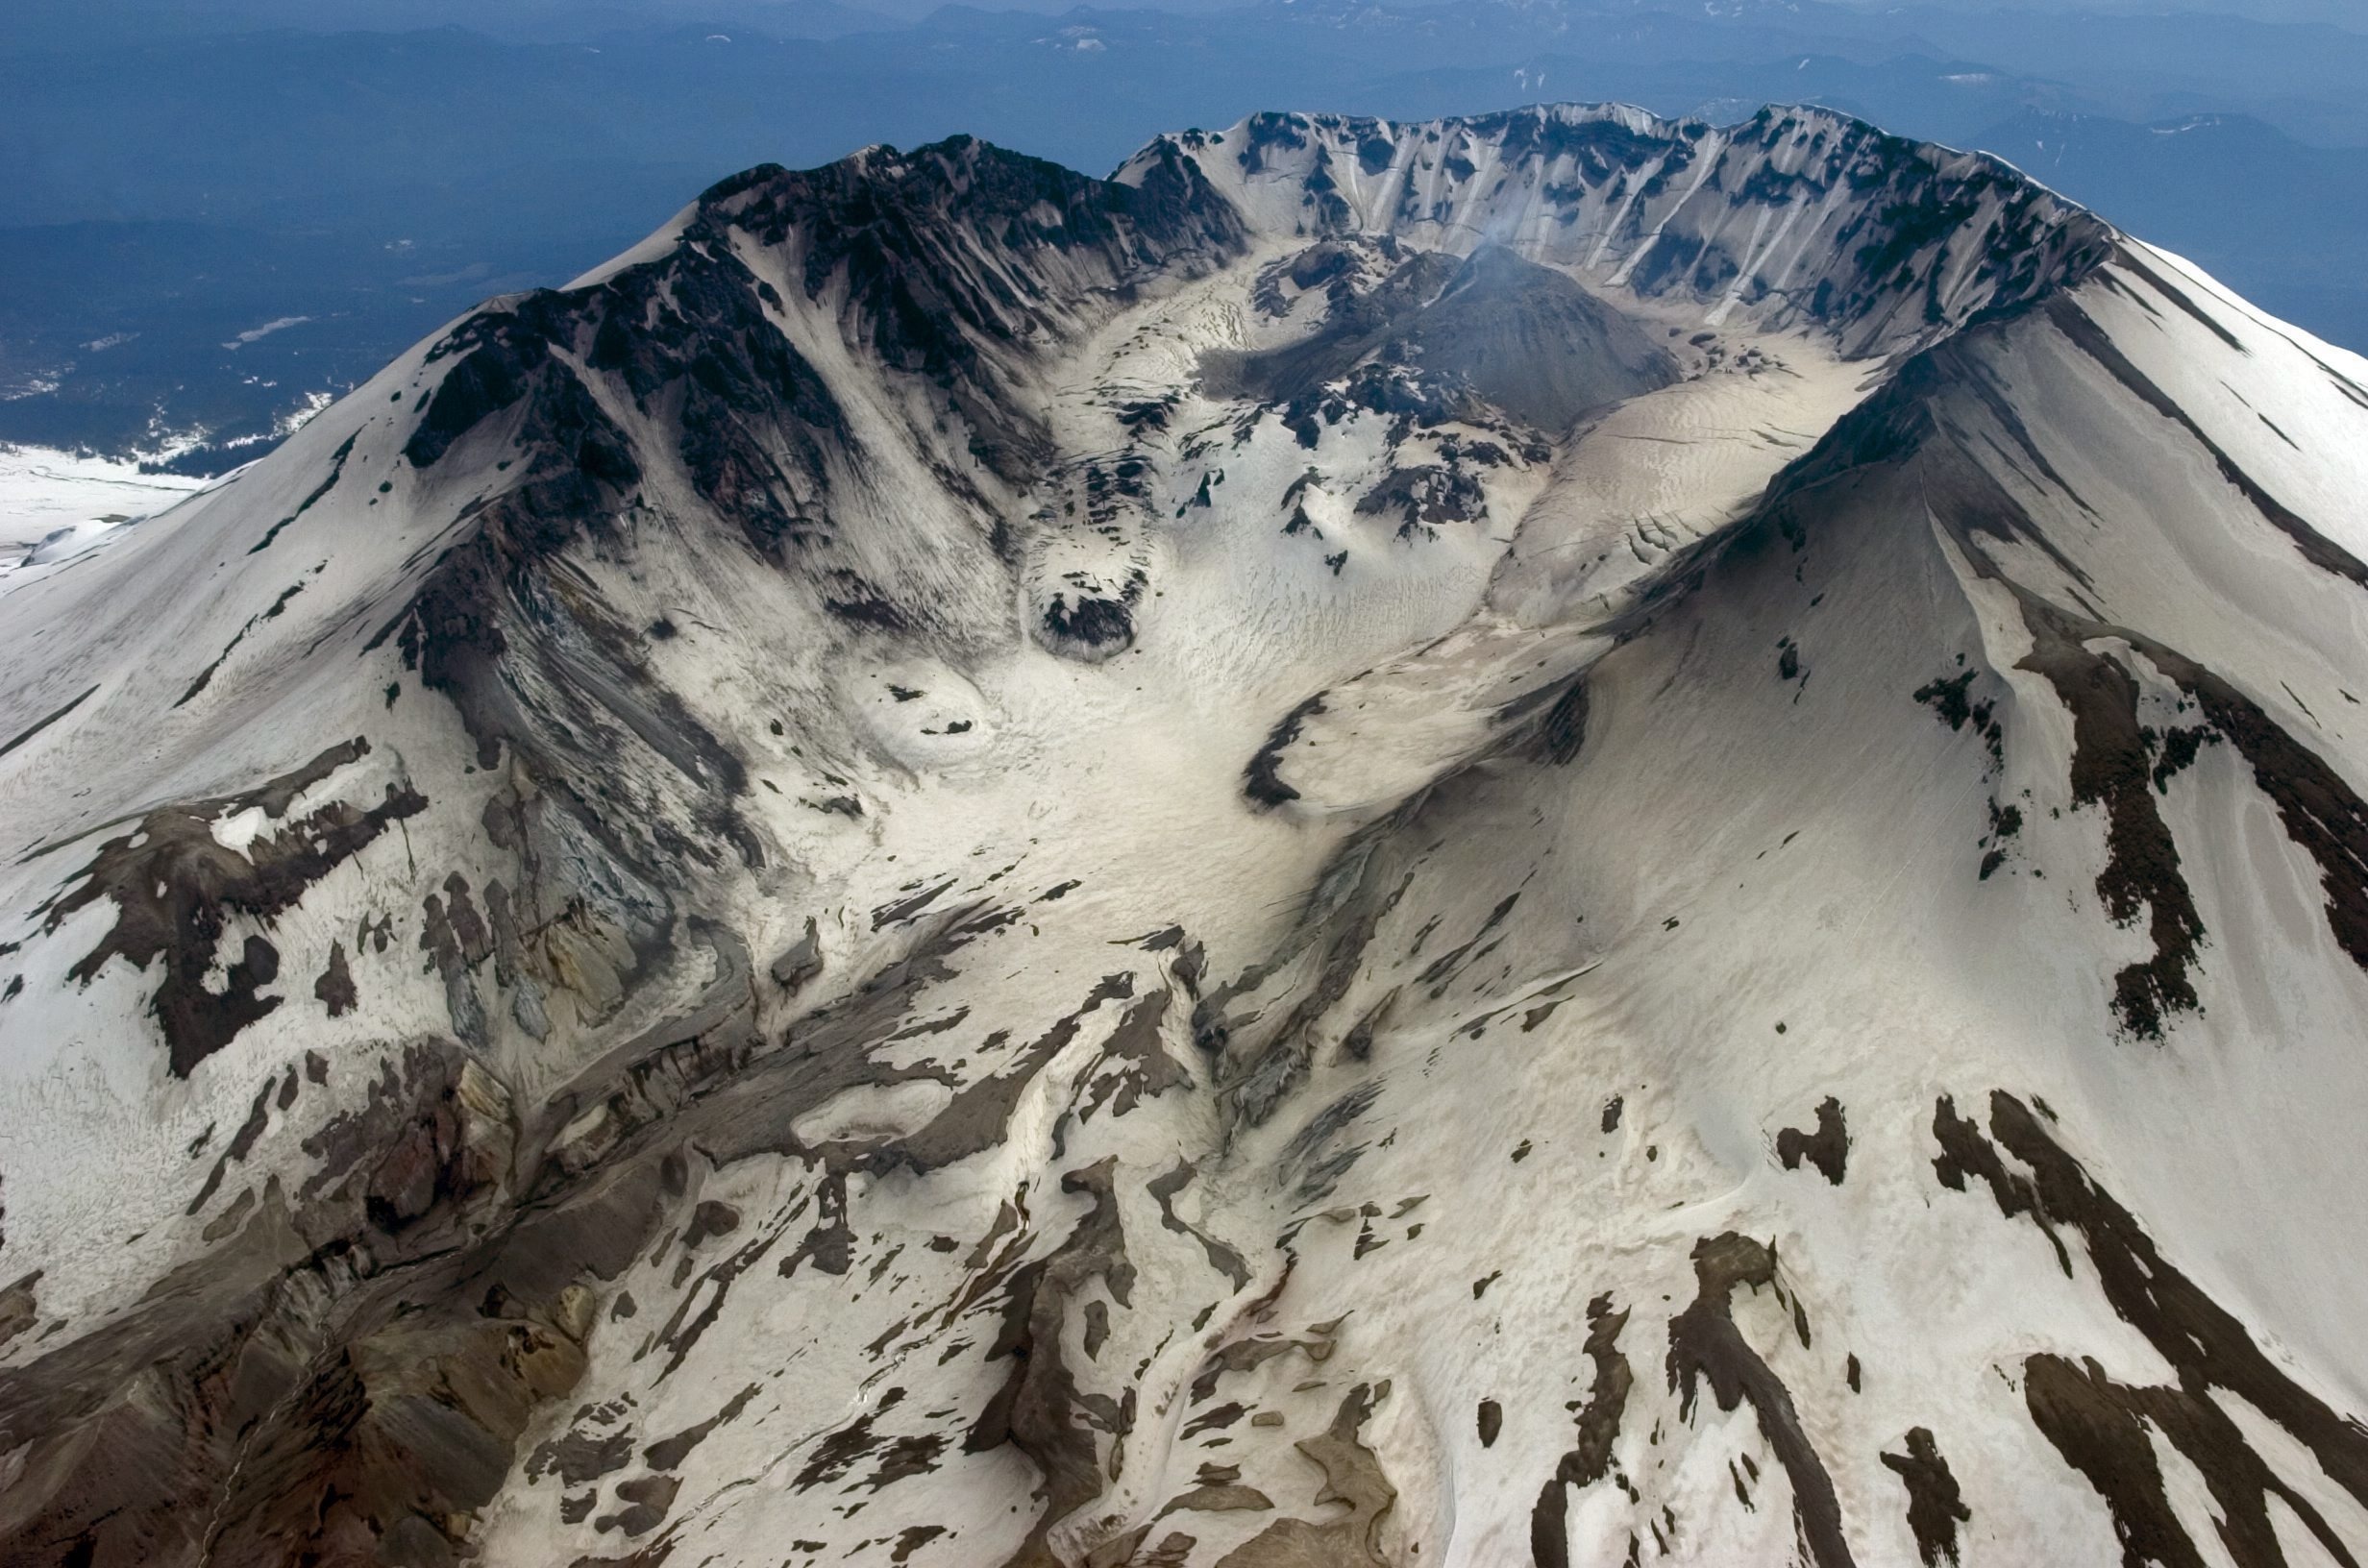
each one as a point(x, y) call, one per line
point(970, 865)
point(1681, 203)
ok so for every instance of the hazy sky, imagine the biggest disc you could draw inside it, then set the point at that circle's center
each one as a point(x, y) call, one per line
point(174, 174)
point(53, 23)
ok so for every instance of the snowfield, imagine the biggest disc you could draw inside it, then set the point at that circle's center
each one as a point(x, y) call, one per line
point(1555, 839)
point(54, 504)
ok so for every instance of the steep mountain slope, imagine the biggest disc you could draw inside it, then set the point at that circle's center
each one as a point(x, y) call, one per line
point(1549, 838)
point(2142, 174)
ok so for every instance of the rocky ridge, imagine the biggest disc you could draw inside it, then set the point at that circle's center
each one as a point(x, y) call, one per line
point(1546, 838)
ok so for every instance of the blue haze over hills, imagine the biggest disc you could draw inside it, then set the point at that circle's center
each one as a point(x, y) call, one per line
point(209, 213)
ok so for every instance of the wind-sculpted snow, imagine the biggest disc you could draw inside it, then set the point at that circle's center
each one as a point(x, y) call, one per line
point(1554, 838)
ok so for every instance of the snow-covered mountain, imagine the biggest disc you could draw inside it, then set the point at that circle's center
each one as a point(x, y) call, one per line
point(1553, 839)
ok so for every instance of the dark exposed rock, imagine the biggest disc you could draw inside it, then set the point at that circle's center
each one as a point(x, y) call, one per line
point(1935, 1506)
point(1705, 1346)
point(2100, 1426)
point(979, 1114)
point(912, 1539)
point(487, 380)
point(1590, 1459)
point(1262, 779)
point(1946, 697)
point(1092, 628)
point(1215, 1418)
point(1135, 1063)
point(579, 1456)
point(708, 1220)
point(896, 229)
point(1427, 495)
point(19, 1311)
point(334, 988)
point(227, 1415)
point(2104, 1429)
point(1353, 1480)
point(176, 888)
point(802, 963)
point(1040, 1410)
point(1522, 336)
point(2110, 769)
point(1241, 1356)
point(2322, 813)
point(829, 1245)
point(1224, 1258)
point(2179, 749)
point(840, 1451)
point(1827, 1148)
point(1562, 732)
point(898, 911)
point(646, 1500)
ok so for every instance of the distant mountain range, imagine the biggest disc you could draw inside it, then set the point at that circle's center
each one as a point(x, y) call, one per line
point(172, 193)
